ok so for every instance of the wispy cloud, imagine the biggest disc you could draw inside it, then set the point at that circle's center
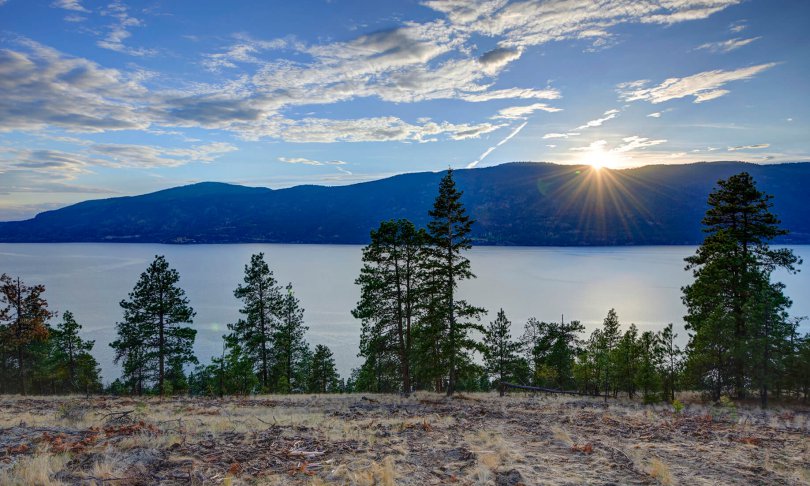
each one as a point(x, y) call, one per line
point(74, 5)
point(492, 149)
point(302, 160)
point(749, 147)
point(516, 112)
point(608, 115)
point(559, 135)
point(703, 86)
point(119, 31)
point(727, 45)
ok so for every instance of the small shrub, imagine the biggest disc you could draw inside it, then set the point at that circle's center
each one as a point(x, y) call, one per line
point(677, 405)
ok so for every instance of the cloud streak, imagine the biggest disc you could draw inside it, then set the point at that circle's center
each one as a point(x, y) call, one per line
point(702, 87)
point(492, 149)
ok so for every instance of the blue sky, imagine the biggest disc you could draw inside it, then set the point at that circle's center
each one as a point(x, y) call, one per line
point(106, 98)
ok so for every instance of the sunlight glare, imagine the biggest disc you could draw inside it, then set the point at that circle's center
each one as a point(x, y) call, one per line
point(597, 157)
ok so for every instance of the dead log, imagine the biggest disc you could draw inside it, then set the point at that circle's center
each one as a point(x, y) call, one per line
point(547, 390)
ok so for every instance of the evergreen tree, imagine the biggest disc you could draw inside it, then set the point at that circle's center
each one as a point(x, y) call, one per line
point(289, 343)
point(73, 362)
point(552, 348)
point(23, 321)
point(647, 377)
point(390, 283)
point(605, 353)
point(671, 361)
point(626, 361)
point(730, 268)
point(261, 299)
point(500, 353)
point(150, 337)
point(323, 376)
point(449, 236)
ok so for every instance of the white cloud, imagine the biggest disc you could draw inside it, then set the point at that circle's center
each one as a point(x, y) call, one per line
point(491, 149)
point(245, 50)
point(74, 5)
point(727, 45)
point(512, 93)
point(535, 22)
point(657, 114)
point(608, 115)
point(702, 86)
point(749, 147)
point(42, 87)
point(119, 31)
point(559, 135)
point(147, 156)
point(301, 160)
point(636, 142)
point(515, 112)
point(594, 146)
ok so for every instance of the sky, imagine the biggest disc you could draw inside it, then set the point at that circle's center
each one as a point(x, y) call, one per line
point(110, 98)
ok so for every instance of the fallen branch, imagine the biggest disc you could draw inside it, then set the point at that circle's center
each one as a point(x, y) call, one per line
point(548, 390)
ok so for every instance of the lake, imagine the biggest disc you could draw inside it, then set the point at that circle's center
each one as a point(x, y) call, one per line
point(641, 283)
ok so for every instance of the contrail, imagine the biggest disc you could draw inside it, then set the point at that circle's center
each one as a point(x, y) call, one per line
point(491, 149)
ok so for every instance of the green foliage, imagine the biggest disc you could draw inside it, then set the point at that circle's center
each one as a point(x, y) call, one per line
point(738, 318)
point(451, 320)
point(323, 376)
point(551, 349)
point(391, 285)
point(500, 352)
point(23, 324)
point(151, 338)
point(261, 305)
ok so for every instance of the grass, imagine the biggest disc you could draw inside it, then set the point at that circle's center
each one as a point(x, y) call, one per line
point(385, 440)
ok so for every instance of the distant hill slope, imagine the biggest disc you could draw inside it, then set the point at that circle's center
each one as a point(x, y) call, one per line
point(513, 204)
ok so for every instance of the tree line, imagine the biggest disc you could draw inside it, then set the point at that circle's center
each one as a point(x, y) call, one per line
point(418, 334)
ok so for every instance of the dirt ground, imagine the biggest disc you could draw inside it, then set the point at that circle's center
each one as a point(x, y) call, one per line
point(385, 440)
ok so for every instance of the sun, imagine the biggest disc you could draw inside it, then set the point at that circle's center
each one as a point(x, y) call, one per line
point(599, 158)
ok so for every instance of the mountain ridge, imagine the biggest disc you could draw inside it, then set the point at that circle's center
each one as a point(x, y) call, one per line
point(518, 203)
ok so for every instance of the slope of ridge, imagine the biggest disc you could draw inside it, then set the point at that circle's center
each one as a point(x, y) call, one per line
point(522, 203)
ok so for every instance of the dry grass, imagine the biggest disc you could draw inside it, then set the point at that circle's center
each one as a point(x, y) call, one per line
point(384, 440)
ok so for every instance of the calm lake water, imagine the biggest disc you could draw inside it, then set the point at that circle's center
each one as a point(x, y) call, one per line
point(641, 283)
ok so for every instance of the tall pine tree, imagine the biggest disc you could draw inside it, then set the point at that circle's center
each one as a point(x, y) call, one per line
point(288, 340)
point(151, 337)
point(261, 302)
point(389, 307)
point(731, 268)
point(449, 237)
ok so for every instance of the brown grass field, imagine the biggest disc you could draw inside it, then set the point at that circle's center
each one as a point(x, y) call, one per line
point(476, 439)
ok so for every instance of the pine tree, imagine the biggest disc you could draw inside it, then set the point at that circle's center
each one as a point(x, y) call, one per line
point(626, 361)
point(23, 321)
point(730, 267)
point(261, 299)
point(605, 354)
point(390, 284)
point(73, 361)
point(323, 376)
point(500, 353)
point(288, 340)
point(449, 236)
point(649, 361)
point(552, 348)
point(150, 337)
point(671, 361)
